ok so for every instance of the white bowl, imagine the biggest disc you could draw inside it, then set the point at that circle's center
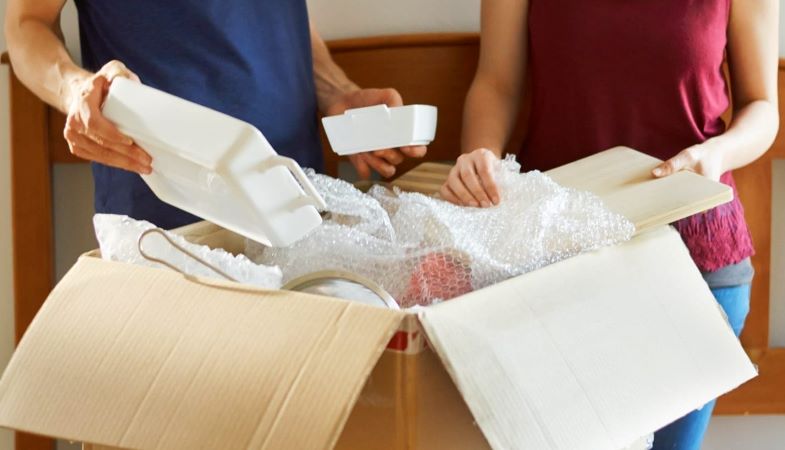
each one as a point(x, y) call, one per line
point(378, 127)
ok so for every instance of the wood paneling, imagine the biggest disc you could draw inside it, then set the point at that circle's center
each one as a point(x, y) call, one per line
point(434, 70)
point(31, 210)
point(762, 395)
point(765, 394)
point(755, 184)
point(58, 148)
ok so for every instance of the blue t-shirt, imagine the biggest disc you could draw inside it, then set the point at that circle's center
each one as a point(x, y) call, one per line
point(250, 59)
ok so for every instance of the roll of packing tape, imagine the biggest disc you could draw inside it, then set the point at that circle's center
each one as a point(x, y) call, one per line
point(345, 285)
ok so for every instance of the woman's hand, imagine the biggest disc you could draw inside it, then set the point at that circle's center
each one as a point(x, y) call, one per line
point(92, 136)
point(382, 161)
point(471, 181)
point(701, 158)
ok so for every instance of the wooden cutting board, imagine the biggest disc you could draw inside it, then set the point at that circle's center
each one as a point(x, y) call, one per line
point(620, 176)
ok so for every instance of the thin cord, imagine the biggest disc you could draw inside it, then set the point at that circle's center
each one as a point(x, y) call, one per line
point(186, 252)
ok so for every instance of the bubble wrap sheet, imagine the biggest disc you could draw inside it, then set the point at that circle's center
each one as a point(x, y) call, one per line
point(118, 237)
point(422, 250)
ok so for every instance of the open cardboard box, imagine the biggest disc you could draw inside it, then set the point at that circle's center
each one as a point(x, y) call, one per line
point(588, 353)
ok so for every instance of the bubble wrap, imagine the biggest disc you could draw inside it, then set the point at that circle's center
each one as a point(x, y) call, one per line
point(118, 237)
point(422, 249)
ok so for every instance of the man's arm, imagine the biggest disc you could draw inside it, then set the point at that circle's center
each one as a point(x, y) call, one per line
point(40, 60)
point(335, 93)
point(42, 63)
point(331, 81)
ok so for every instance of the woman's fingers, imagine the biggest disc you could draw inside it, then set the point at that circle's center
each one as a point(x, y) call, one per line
point(455, 183)
point(447, 194)
point(486, 166)
point(467, 173)
point(668, 167)
point(471, 181)
point(684, 160)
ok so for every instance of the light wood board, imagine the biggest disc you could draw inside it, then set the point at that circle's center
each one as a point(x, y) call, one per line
point(621, 177)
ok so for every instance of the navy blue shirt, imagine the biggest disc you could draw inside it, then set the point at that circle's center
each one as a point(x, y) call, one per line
point(250, 59)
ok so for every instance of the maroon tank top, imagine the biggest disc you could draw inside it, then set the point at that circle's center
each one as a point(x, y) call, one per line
point(646, 74)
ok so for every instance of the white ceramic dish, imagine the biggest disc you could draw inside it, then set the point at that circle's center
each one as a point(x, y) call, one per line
point(377, 127)
point(215, 166)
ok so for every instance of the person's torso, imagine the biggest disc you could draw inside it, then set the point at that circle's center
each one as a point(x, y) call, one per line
point(250, 59)
point(646, 74)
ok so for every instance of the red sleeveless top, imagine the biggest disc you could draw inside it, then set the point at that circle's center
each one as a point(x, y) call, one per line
point(646, 74)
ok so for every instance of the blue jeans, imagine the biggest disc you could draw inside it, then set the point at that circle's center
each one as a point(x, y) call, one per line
point(687, 432)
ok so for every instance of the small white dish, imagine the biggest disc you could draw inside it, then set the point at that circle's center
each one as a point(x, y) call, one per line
point(378, 127)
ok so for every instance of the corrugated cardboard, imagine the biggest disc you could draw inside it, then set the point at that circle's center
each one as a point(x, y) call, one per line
point(143, 358)
point(606, 345)
point(588, 353)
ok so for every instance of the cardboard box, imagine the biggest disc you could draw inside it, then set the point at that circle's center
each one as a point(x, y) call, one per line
point(588, 353)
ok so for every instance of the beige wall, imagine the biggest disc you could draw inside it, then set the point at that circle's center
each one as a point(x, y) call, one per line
point(335, 18)
point(338, 19)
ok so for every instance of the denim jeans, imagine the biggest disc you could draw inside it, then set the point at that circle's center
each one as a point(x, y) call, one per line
point(687, 432)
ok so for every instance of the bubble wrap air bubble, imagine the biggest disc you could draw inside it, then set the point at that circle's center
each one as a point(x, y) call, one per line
point(421, 249)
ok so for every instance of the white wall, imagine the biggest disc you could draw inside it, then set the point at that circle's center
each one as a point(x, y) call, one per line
point(745, 433)
point(782, 29)
point(335, 19)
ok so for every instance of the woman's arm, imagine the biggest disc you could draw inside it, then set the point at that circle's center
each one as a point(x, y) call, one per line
point(335, 93)
point(492, 102)
point(40, 60)
point(752, 60)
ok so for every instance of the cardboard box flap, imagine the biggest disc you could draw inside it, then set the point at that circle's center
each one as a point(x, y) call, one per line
point(591, 352)
point(135, 357)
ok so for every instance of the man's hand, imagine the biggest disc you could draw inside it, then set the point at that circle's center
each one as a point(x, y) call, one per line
point(471, 181)
point(382, 161)
point(93, 137)
point(701, 158)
